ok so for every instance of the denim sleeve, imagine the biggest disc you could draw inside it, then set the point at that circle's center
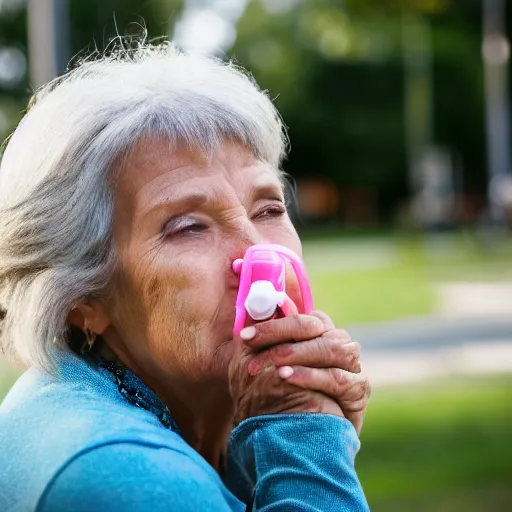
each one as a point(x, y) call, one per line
point(295, 462)
point(131, 477)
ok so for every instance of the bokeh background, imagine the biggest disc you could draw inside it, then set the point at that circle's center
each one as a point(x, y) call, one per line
point(398, 114)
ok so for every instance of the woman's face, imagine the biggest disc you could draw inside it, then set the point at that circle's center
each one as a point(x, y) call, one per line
point(180, 221)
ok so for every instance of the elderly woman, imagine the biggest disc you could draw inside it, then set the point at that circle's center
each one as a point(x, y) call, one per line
point(126, 192)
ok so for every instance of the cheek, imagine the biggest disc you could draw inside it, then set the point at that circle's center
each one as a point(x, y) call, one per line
point(294, 240)
point(283, 233)
point(183, 335)
point(167, 336)
point(180, 305)
point(289, 238)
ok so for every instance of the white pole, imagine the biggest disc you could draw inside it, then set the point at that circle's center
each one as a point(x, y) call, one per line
point(47, 39)
point(496, 53)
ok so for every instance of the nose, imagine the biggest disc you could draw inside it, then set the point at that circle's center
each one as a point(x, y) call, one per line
point(246, 236)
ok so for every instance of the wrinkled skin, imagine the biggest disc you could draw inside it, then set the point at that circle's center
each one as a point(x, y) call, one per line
point(180, 221)
point(326, 374)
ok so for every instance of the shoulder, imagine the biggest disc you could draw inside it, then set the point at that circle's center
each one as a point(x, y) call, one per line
point(132, 476)
point(50, 425)
point(63, 417)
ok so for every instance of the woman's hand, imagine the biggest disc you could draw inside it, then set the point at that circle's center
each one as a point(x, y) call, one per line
point(298, 364)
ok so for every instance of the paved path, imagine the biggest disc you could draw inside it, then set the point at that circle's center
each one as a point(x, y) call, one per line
point(426, 348)
point(423, 349)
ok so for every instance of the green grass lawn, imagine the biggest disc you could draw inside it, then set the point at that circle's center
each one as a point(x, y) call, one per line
point(373, 280)
point(442, 448)
point(373, 295)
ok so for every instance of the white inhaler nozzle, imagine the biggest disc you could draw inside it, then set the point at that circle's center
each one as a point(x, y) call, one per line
point(262, 300)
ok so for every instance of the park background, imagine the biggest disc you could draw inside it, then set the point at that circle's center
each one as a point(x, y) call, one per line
point(397, 111)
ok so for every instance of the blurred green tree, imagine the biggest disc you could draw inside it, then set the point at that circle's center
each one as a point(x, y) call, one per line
point(336, 71)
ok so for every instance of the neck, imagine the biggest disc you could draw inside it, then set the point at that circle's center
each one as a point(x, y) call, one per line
point(203, 411)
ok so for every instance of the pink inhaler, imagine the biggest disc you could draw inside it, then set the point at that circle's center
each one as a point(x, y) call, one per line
point(262, 284)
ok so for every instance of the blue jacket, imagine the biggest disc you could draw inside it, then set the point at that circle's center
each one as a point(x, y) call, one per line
point(71, 442)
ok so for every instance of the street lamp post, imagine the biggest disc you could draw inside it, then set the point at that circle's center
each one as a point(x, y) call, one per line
point(48, 39)
point(496, 54)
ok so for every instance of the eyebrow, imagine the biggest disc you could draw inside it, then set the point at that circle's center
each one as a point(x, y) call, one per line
point(268, 190)
point(192, 201)
point(196, 200)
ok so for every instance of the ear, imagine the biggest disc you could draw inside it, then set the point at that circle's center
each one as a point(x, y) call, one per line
point(91, 315)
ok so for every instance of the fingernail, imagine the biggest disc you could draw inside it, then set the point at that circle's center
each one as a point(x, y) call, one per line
point(248, 333)
point(254, 367)
point(285, 372)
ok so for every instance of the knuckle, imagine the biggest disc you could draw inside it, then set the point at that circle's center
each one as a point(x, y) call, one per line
point(343, 334)
point(355, 364)
point(347, 355)
point(353, 356)
point(263, 329)
point(361, 392)
point(357, 389)
point(334, 348)
point(281, 351)
point(324, 318)
point(367, 387)
point(309, 325)
point(340, 377)
point(356, 348)
point(356, 406)
point(363, 387)
point(314, 402)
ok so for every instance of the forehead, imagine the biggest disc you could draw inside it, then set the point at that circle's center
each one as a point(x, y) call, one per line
point(155, 167)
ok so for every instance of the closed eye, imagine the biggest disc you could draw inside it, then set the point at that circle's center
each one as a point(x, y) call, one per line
point(183, 226)
point(277, 209)
point(193, 228)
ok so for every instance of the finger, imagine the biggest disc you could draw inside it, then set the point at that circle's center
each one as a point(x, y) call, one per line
point(350, 390)
point(326, 319)
point(293, 288)
point(289, 308)
point(279, 330)
point(333, 349)
point(323, 352)
point(345, 387)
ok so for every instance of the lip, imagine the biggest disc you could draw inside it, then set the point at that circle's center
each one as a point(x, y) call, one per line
point(232, 280)
point(234, 285)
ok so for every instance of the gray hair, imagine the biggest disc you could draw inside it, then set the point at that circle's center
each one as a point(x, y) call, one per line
point(56, 194)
